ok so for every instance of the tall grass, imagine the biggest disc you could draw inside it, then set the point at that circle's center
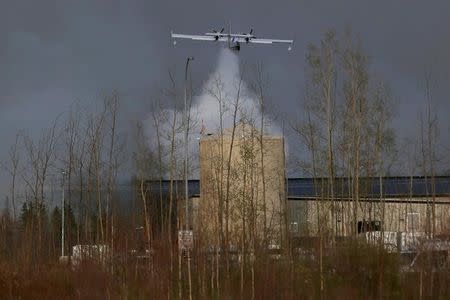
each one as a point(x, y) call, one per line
point(352, 270)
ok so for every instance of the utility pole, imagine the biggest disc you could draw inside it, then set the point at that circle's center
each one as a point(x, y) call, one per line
point(186, 152)
point(186, 146)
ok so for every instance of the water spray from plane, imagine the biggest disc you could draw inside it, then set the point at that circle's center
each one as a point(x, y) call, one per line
point(222, 83)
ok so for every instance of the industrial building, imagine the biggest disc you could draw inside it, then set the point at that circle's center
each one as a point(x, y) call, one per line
point(407, 200)
point(400, 204)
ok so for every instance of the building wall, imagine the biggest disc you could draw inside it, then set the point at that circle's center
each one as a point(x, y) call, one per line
point(240, 187)
point(399, 215)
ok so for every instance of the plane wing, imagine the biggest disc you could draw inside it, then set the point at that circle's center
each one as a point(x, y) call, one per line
point(233, 39)
point(260, 41)
point(270, 41)
point(193, 37)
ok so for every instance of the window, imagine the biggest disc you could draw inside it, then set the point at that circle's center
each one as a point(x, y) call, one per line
point(364, 226)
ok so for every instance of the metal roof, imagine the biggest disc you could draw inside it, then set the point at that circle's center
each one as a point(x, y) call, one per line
point(394, 187)
point(301, 188)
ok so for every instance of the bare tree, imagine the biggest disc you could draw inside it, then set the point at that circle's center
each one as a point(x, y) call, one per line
point(171, 136)
point(218, 92)
point(354, 64)
point(80, 168)
point(111, 104)
point(143, 158)
point(383, 145)
point(322, 61)
point(159, 117)
point(95, 136)
point(235, 110)
point(71, 139)
point(41, 155)
point(259, 84)
point(308, 132)
point(13, 169)
point(431, 137)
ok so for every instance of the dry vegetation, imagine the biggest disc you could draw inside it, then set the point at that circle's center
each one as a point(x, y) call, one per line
point(354, 271)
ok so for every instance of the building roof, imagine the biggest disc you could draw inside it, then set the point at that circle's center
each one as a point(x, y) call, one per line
point(307, 188)
point(393, 187)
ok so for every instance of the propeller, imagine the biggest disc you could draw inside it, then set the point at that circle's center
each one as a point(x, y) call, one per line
point(249, 35)
point(215, 31)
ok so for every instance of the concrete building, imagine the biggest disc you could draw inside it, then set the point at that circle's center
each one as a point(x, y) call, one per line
point(242, 187)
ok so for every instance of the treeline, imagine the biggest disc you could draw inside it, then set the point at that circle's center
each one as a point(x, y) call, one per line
point(76, 160)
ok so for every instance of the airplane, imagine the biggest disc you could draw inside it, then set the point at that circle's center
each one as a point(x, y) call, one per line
point(234, 40)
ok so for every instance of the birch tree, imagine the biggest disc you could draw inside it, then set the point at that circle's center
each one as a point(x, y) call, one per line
point(322, 71)
point(354, 64)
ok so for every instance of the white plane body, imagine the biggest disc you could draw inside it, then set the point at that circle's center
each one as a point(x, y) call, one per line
point(234, 40)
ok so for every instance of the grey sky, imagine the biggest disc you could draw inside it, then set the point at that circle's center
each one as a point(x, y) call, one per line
point(54, 52)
